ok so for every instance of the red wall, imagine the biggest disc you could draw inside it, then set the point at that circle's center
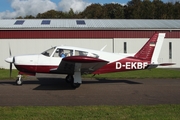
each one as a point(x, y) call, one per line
point(8, 34)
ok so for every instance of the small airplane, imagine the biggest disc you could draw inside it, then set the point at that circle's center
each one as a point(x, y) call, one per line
point(74, 61)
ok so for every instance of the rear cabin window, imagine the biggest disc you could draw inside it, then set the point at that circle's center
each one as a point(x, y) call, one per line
point(80, 53)
point(84, 53)
point(93, 55)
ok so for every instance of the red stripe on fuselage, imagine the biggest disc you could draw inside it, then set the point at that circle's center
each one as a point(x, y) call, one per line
point(34, 69)
point(126, 64)
point(82, 59)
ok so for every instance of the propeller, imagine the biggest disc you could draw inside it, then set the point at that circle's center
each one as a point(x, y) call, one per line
point(11, 60)
point(11, 66)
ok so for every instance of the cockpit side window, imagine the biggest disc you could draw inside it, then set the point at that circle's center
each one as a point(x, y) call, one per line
point(93, 55)
point(63, 53)
point(84, 53)
point(48, 52)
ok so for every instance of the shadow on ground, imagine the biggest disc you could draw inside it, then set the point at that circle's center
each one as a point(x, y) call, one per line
point(60, 84)
point(96, 81)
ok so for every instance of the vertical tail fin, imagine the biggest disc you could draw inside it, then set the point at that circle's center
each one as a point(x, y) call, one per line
point(150, 51)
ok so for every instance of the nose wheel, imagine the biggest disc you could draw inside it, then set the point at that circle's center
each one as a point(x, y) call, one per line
point(19, 80)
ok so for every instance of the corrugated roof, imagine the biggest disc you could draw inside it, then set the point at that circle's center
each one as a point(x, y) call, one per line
point(107, 24)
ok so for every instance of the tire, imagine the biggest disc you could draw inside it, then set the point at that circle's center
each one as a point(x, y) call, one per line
point(75, 85)
point(69, 79)
point(19, 82)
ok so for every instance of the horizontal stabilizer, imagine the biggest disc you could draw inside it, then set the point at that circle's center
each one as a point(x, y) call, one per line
point(166, 64)
point(150, 66)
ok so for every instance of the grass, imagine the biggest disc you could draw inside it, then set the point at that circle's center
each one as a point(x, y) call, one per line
point(154, 112)
point(139, 74)
point(5, 74)
point(135, 112)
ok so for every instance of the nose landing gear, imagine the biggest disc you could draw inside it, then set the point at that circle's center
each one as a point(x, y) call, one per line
point(19, 80)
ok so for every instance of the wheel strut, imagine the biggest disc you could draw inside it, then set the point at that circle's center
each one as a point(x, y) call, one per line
point(70, 79)
point(19, 80)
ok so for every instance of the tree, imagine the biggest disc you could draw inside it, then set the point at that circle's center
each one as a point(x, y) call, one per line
point(176, 11)
point(159, 9)
point(93, 11)
point(50, 14)
point(133, 9)
point(29, 17)
point(147, 10)
point(70, 14)
point(113, 11)
point(20, 17)
point(169, 10)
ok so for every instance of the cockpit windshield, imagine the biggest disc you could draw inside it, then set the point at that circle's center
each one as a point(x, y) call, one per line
point(48, 52)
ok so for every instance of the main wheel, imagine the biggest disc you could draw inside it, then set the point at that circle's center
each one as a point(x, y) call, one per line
point(69, 79)
point(75, 85)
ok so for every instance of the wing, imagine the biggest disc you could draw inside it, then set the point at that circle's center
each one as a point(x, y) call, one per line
point(87, 65)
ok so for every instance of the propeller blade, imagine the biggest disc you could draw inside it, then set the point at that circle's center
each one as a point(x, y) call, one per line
point(10, 51)
point(13, 59)
point(10, 54)
point(10, 69)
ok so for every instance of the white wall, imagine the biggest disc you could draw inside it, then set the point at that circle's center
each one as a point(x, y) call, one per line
point(35, 46)
point(164, 54)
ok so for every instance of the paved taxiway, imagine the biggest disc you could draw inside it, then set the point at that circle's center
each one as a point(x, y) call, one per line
point(55, 92)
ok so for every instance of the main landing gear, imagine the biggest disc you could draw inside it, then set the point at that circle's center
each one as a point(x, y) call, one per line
point(75, 79)
point(19, 80)
point(70, 79)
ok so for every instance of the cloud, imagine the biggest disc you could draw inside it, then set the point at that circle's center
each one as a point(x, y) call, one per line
point(28, 7)
point(33, 7)
point(76, 5)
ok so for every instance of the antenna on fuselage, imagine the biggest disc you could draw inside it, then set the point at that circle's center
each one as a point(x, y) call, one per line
point(103, 48)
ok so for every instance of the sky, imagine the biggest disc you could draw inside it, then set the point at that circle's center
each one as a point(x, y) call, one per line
point(16, 8)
